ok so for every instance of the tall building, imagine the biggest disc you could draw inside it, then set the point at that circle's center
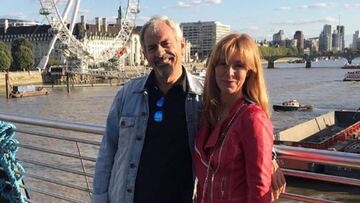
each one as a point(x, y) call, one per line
point(356, 38)
point(336, 43)
point(279, 38)
point(327, 29)
point(325, 39)
point(299, 36)
point(203, 36)
point(312, 44)
point(341, 31)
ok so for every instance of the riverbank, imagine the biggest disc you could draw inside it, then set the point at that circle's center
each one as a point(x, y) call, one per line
point(22, 78)
point(35, 77)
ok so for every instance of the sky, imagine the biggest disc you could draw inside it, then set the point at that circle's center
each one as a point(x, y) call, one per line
point(258, 18)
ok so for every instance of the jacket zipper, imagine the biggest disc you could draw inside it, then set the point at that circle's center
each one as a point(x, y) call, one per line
point(212, 187)
point(222, 187)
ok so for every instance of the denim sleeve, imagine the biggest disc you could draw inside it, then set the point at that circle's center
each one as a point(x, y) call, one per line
point(107, 152)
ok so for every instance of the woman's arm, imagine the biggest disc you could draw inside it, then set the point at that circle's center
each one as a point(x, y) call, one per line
point(257, 144)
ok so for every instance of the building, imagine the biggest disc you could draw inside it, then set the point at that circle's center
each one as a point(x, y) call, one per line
point(312, 44)
point(279, 38)
point(356, 39)
point(38, 35)
point(16, 22)
point(341, 31)
point(327, 29)
point(96, 36)
point(187, 55)
point(290, 43)
point(325, 39)
point(299, 36)
point(338, 38)
point(336, 43)
point(203, 36)
point(356, 36)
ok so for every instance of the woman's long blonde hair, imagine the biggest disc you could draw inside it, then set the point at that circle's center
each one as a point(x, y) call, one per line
point(254, 86)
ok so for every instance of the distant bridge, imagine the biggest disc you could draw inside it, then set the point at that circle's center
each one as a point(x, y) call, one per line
point(348, 55)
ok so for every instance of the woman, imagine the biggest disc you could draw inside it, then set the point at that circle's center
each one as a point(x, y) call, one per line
point(233, 159)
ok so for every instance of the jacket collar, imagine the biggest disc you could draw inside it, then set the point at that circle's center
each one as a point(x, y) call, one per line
point(215, 134)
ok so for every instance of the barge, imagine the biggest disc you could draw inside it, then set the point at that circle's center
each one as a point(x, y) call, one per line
point(335, 131)
point(27, 91)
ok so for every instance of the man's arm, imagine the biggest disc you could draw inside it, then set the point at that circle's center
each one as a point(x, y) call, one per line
point(108, 148)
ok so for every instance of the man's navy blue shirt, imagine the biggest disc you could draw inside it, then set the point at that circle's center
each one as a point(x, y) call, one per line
point(165, 169)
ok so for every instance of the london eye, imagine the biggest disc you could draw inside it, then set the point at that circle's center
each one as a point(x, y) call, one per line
point(58, 15)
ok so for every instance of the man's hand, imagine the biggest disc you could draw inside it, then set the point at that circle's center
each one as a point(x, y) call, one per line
point(278, 183)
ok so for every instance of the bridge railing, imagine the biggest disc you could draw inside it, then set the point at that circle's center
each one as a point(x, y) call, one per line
point(59, 159)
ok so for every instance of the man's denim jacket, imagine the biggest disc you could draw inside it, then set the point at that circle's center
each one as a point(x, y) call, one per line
point(120, 150)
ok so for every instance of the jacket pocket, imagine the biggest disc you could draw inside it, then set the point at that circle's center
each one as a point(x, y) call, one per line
point(127, 122)
point(127, 130)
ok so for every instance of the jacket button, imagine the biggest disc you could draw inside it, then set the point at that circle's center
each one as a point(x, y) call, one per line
point(139, 138)
point(122, 123)
point(132, 165)
point(129, 190)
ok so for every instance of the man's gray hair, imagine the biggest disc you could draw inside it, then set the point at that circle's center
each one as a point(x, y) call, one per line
point(153, 25)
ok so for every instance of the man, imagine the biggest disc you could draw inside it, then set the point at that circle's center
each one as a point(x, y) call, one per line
point(146, 152)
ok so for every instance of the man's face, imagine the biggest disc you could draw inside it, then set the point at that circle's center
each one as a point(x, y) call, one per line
point(164, 52)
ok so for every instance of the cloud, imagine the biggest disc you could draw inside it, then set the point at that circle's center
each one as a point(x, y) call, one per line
point(283, 8)
point(352, 6)
point(254, 28)
point(20, 16)
point(142, 19)
point(84, 11)
point(196, 3)
point(307, 22)
point(318, 6)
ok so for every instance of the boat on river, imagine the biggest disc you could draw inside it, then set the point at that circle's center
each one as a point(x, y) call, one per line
point(292, 105)
point(297, 61)
point(351, 66)
point(27, 91)
point(352, 76)
point(335, 131)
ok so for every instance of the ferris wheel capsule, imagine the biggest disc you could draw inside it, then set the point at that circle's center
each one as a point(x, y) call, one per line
point(44, 11)
point(134, 9)
point(54, 31)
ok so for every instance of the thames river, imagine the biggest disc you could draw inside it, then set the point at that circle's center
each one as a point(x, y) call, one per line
point(320, 86)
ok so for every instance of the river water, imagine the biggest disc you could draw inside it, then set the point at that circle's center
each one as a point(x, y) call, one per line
point(320, 86)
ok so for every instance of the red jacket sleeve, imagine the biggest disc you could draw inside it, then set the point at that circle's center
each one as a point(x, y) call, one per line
point(257, 143)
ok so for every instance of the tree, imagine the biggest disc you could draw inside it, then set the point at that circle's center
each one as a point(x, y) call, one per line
point(23, 57)
point(5, 61)
point(5, 57)
point(19, 42)
point(277, 51)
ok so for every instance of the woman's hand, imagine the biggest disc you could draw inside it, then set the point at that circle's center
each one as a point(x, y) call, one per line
point(278, 183)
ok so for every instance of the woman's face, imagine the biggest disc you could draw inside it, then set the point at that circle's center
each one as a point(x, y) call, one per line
point(230, 77)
